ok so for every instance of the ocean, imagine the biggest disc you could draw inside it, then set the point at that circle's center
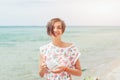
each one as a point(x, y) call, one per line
point(19, 50)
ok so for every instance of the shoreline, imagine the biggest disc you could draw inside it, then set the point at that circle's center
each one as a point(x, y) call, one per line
point(113, 71)
point(105, 67)
point(105, 71)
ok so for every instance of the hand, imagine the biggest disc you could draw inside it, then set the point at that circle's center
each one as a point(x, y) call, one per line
point(44, 67)
point(59, 69)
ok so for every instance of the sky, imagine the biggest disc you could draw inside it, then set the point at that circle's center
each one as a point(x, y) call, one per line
point(73, 12)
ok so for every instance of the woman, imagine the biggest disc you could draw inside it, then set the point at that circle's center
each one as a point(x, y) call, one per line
point(58, 60)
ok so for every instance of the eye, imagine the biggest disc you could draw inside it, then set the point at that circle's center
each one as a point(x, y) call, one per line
point(59, 27)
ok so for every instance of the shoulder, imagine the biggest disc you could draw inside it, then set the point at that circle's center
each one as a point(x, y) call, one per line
point(74, 48)
point(70, 45)
point(44, 47)
point(66, 44)
point(74, 45)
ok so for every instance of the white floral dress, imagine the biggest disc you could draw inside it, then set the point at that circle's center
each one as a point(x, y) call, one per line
point(55, 56)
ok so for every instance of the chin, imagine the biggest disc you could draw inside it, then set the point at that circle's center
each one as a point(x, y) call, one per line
point(57, 36)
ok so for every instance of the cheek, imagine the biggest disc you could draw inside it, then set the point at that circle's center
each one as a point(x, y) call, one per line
point(61, 32)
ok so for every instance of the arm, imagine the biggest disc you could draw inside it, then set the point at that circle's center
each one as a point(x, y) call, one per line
point(42, 66)
point(77, 71)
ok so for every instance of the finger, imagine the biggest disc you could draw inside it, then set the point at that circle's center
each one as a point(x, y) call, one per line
point(56, 70)
point(60, 67)
point(43, 64)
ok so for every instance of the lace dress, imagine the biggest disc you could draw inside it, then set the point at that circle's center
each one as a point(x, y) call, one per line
point(56, 56)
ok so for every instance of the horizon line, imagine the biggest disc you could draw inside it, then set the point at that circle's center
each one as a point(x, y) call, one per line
point(68, 25)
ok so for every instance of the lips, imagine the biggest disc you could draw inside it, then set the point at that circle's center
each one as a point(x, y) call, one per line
point(56, 33)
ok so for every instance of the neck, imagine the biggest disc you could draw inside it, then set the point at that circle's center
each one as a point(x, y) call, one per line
point(56, 41)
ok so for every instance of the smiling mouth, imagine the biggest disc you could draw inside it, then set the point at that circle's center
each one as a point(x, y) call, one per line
point(56, 33)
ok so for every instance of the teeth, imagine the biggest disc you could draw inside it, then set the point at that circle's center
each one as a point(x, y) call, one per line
point(56, 33)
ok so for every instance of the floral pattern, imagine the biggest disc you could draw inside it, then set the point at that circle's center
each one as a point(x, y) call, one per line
point(55, 56)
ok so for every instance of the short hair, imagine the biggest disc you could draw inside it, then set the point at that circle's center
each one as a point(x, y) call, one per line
point(51, 23)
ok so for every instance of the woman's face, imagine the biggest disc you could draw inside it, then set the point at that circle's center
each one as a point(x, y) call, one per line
point(57, 29)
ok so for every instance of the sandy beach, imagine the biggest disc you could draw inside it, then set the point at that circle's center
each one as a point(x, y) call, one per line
point(107, 70)
point(114, 75)
point(113, 71)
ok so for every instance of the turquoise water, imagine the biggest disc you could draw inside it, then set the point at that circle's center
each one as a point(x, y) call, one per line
point(19, 48)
